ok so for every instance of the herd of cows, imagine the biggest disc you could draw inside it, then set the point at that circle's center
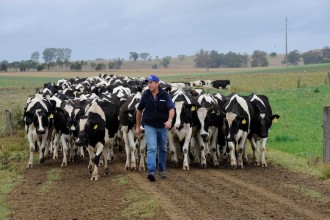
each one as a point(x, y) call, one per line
point(97, 115)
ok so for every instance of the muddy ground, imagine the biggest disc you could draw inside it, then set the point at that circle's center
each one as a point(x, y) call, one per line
point(250, 193)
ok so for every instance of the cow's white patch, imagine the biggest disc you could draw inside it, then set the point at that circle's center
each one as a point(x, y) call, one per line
point(201, 113)
point(95, 108)
point(254, 97)
point(242, 103)
point(178, 109)
point(37, 98)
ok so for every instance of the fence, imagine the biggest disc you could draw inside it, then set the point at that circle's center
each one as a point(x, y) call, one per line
point(326, 134)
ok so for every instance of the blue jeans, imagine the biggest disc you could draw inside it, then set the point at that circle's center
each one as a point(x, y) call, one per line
point(156, 137)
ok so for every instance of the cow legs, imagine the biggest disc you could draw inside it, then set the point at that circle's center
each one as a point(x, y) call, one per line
point(241, 150)
point(185, 149)
point(132, 149)
point(213, 146)
point(172, 148)
point(254, 147)
point(263, 151)
point(142, 147)
point(201, 150)
point(56, 145)
point(105, 153)
point(231, 146)
point(65, 150)
point(43, 147)
point(32, 149)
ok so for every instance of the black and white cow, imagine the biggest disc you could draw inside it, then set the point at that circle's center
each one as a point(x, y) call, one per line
point(239, 113)
point(181, 131)
point(206, 135)
point(127, 116)
point(222, 143)
point(260, 126)
point(196, 92)
point(38, 120)
point(223, 84)
point(97, 129)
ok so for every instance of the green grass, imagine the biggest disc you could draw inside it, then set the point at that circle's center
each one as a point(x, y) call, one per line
point(24, 81)
point(299, 130)
point(138, 205)
point(53, 175)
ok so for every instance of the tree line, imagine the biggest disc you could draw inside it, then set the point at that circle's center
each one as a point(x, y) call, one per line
point(58, 59)
point(214, 59)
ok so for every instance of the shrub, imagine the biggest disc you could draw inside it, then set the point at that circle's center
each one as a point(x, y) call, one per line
point(325, 171)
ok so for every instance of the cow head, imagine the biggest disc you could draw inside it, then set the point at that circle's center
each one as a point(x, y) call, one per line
point(40, 119)
point(264, 123)
point(235, 123)
point(87, 128)
point(208, 117)
point(183, 114)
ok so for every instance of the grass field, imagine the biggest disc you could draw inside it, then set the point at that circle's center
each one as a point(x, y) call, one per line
point(297, 94)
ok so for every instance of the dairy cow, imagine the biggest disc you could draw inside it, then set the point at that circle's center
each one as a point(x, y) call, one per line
point(239, 113)
point(223, 84)
point(97, 128)
point(260, 126)
point(38, 121)
point(127, 118)
point(206, 136)
point(180, 133)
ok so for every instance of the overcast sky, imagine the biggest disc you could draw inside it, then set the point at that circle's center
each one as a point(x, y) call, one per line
point(113, 28)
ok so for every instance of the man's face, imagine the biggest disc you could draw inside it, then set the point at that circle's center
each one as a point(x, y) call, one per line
point(153, 86)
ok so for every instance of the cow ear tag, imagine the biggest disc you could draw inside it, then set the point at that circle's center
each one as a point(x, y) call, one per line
point(95, 126)
point(275, 120)
point(51, 116)
point(193, 108)
point(244, 121)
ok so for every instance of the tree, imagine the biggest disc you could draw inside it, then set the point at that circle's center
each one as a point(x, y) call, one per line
point(100, 66)
point(273, 54)
point(259, 59)
point(166, 61)
point(293, 57)
point(144, 56)
point(49, 54)
point(202, 59)
point(35, 56)
point(233, 60)
point(76, 66)
point(118, 63)
point(4, 66)
point(133, 55)
point(181, 57)
point(215, 59)
point(312, 57)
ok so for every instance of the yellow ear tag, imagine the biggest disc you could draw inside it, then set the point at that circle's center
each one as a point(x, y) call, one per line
point(275, 120)
point(193, 108)
point(51, 116)
point(244, 121)
point(95, 126)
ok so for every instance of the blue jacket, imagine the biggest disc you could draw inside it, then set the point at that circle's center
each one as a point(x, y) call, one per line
point(155, 110)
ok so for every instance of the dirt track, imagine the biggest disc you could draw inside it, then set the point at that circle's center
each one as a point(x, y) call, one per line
point(251, 193)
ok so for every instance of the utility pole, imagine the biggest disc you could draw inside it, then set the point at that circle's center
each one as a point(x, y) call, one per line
point(286, 41)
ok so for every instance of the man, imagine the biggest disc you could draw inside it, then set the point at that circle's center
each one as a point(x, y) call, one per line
point(157, 117)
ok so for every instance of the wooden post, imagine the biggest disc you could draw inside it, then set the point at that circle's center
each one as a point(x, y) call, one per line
point(10, 126)
point(326, 134)
point(328, 78)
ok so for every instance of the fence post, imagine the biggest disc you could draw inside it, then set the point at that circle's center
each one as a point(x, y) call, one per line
point(9, 123)
point(326, 134)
